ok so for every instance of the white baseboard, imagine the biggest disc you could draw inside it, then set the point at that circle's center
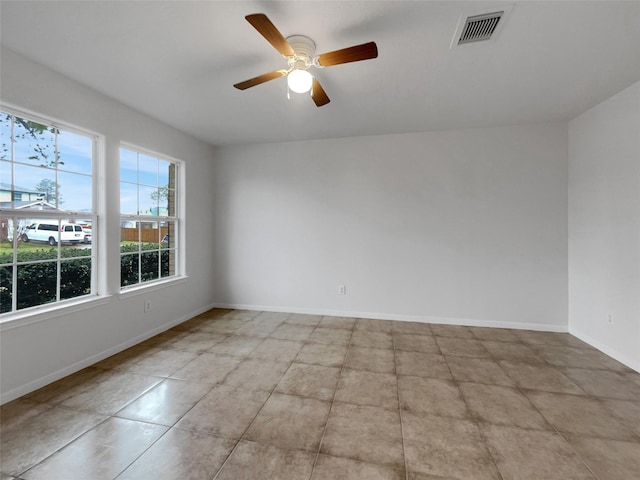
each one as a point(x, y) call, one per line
point(468, 322)
point(607, 350)
point(63, 372)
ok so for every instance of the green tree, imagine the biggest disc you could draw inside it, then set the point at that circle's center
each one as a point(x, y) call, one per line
point(36, 134)
point(49, 190)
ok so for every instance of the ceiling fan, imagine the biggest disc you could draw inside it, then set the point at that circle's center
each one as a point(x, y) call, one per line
point(300, 54)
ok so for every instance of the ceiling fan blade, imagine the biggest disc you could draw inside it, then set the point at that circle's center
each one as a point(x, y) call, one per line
point(318, 94)
point(347, 55)
point(269, 31)
point(265, 77)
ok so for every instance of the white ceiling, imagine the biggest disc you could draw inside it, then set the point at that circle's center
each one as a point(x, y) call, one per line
point(177, 62)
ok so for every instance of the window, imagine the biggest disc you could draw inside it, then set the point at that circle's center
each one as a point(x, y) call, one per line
point(148, 217)
point(46, 199)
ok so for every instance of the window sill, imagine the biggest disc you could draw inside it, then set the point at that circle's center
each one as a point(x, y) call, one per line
point(48, 311)
point(151, 286)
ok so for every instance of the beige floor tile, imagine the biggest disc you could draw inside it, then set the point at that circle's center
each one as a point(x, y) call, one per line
point(181, 455)
point(502, 406)
point(241, 314)
point(336, 468)
point(252, 461)
point(208, 368)
point(462, 347)
point(257, 328)
point(103, 452)
point(236, 346)
point(422, 365)
point(277, 350)
point(337, 322)
point(322, 354)
point(424, 476)
point(130, 356)
point(34, 439)
point(431, 395)
point(290, 422)
point(540, 377)
point(478, 370)
point(372, 339)
point(368, 388)
point(257, 374)
point(603, 383)
point(446, 447)
point(581, 415)
point(513, 352)
point(609, 459)
point(550, 338)
point(20, 410)
point(373, 325)
point(288, 331)
point(166, 402)
point(162, 363)
point(368, 434)
point(409, 342)
point(303, 319)
point(272, 316)
point(112, 393)
point(226, 411)
point(197, 342)
point(495, 334)
point(332, 336)
point(66, 387)
point(626, 411)
point(411, 328)
point(222, 325)
point(533, 454)
point(572, 356)
point(457, 331)
point(314, 381)
point(162, 340)
point(371, 359)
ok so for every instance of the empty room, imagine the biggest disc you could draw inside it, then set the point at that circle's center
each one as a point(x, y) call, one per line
point(313, 240)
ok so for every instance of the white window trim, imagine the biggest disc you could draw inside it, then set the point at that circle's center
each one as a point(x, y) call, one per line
point(180, 220)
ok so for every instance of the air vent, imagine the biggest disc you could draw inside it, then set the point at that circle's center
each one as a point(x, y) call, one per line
point(479, 27)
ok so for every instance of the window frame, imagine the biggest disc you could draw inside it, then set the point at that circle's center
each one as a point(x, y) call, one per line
point(178, 219)
point(53, 216)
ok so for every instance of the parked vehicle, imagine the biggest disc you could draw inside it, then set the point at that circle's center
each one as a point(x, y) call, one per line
point(87, 235)
point(52, 234)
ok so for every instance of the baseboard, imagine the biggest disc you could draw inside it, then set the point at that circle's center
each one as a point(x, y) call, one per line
point(63, 372)
point(607, 350)
point(468, 322)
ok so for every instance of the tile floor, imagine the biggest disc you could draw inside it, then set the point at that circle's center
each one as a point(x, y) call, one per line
point(250, 395)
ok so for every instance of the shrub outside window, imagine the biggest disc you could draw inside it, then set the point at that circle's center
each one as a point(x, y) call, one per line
point(47, 213)
point(148, 217)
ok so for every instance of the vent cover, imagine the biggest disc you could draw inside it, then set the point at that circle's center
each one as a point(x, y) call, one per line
point(479, 27)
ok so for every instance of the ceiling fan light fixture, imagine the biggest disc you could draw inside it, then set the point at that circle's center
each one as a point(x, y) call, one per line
point(299, 81)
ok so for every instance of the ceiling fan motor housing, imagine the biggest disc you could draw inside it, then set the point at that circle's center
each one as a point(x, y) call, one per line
point(305, 49)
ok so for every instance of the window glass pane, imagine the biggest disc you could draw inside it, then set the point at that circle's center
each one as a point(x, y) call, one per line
point(36, 284)
point(163, 173)
point(167, 232)
point(150, 267)
point(148, 200)
point(74, 192)
point(149, 235)
point(36, 238)
point(5, 137)
point(6, 288)
point(129, 236)
point(128, 199)
point(5, 185)
point(74, 152)
point(128, 166)
point(168, 264)
point(147, 170)
point(34, 143)
point(129, 269)
point(36, 184)
point(75, 278)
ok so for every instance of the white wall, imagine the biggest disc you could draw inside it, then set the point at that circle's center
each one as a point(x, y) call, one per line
point(604, 226)
point(36, 353)
point(459, 226)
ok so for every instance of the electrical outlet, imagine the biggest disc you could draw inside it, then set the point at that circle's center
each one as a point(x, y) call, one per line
point(147, 306)
point(342, 290)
